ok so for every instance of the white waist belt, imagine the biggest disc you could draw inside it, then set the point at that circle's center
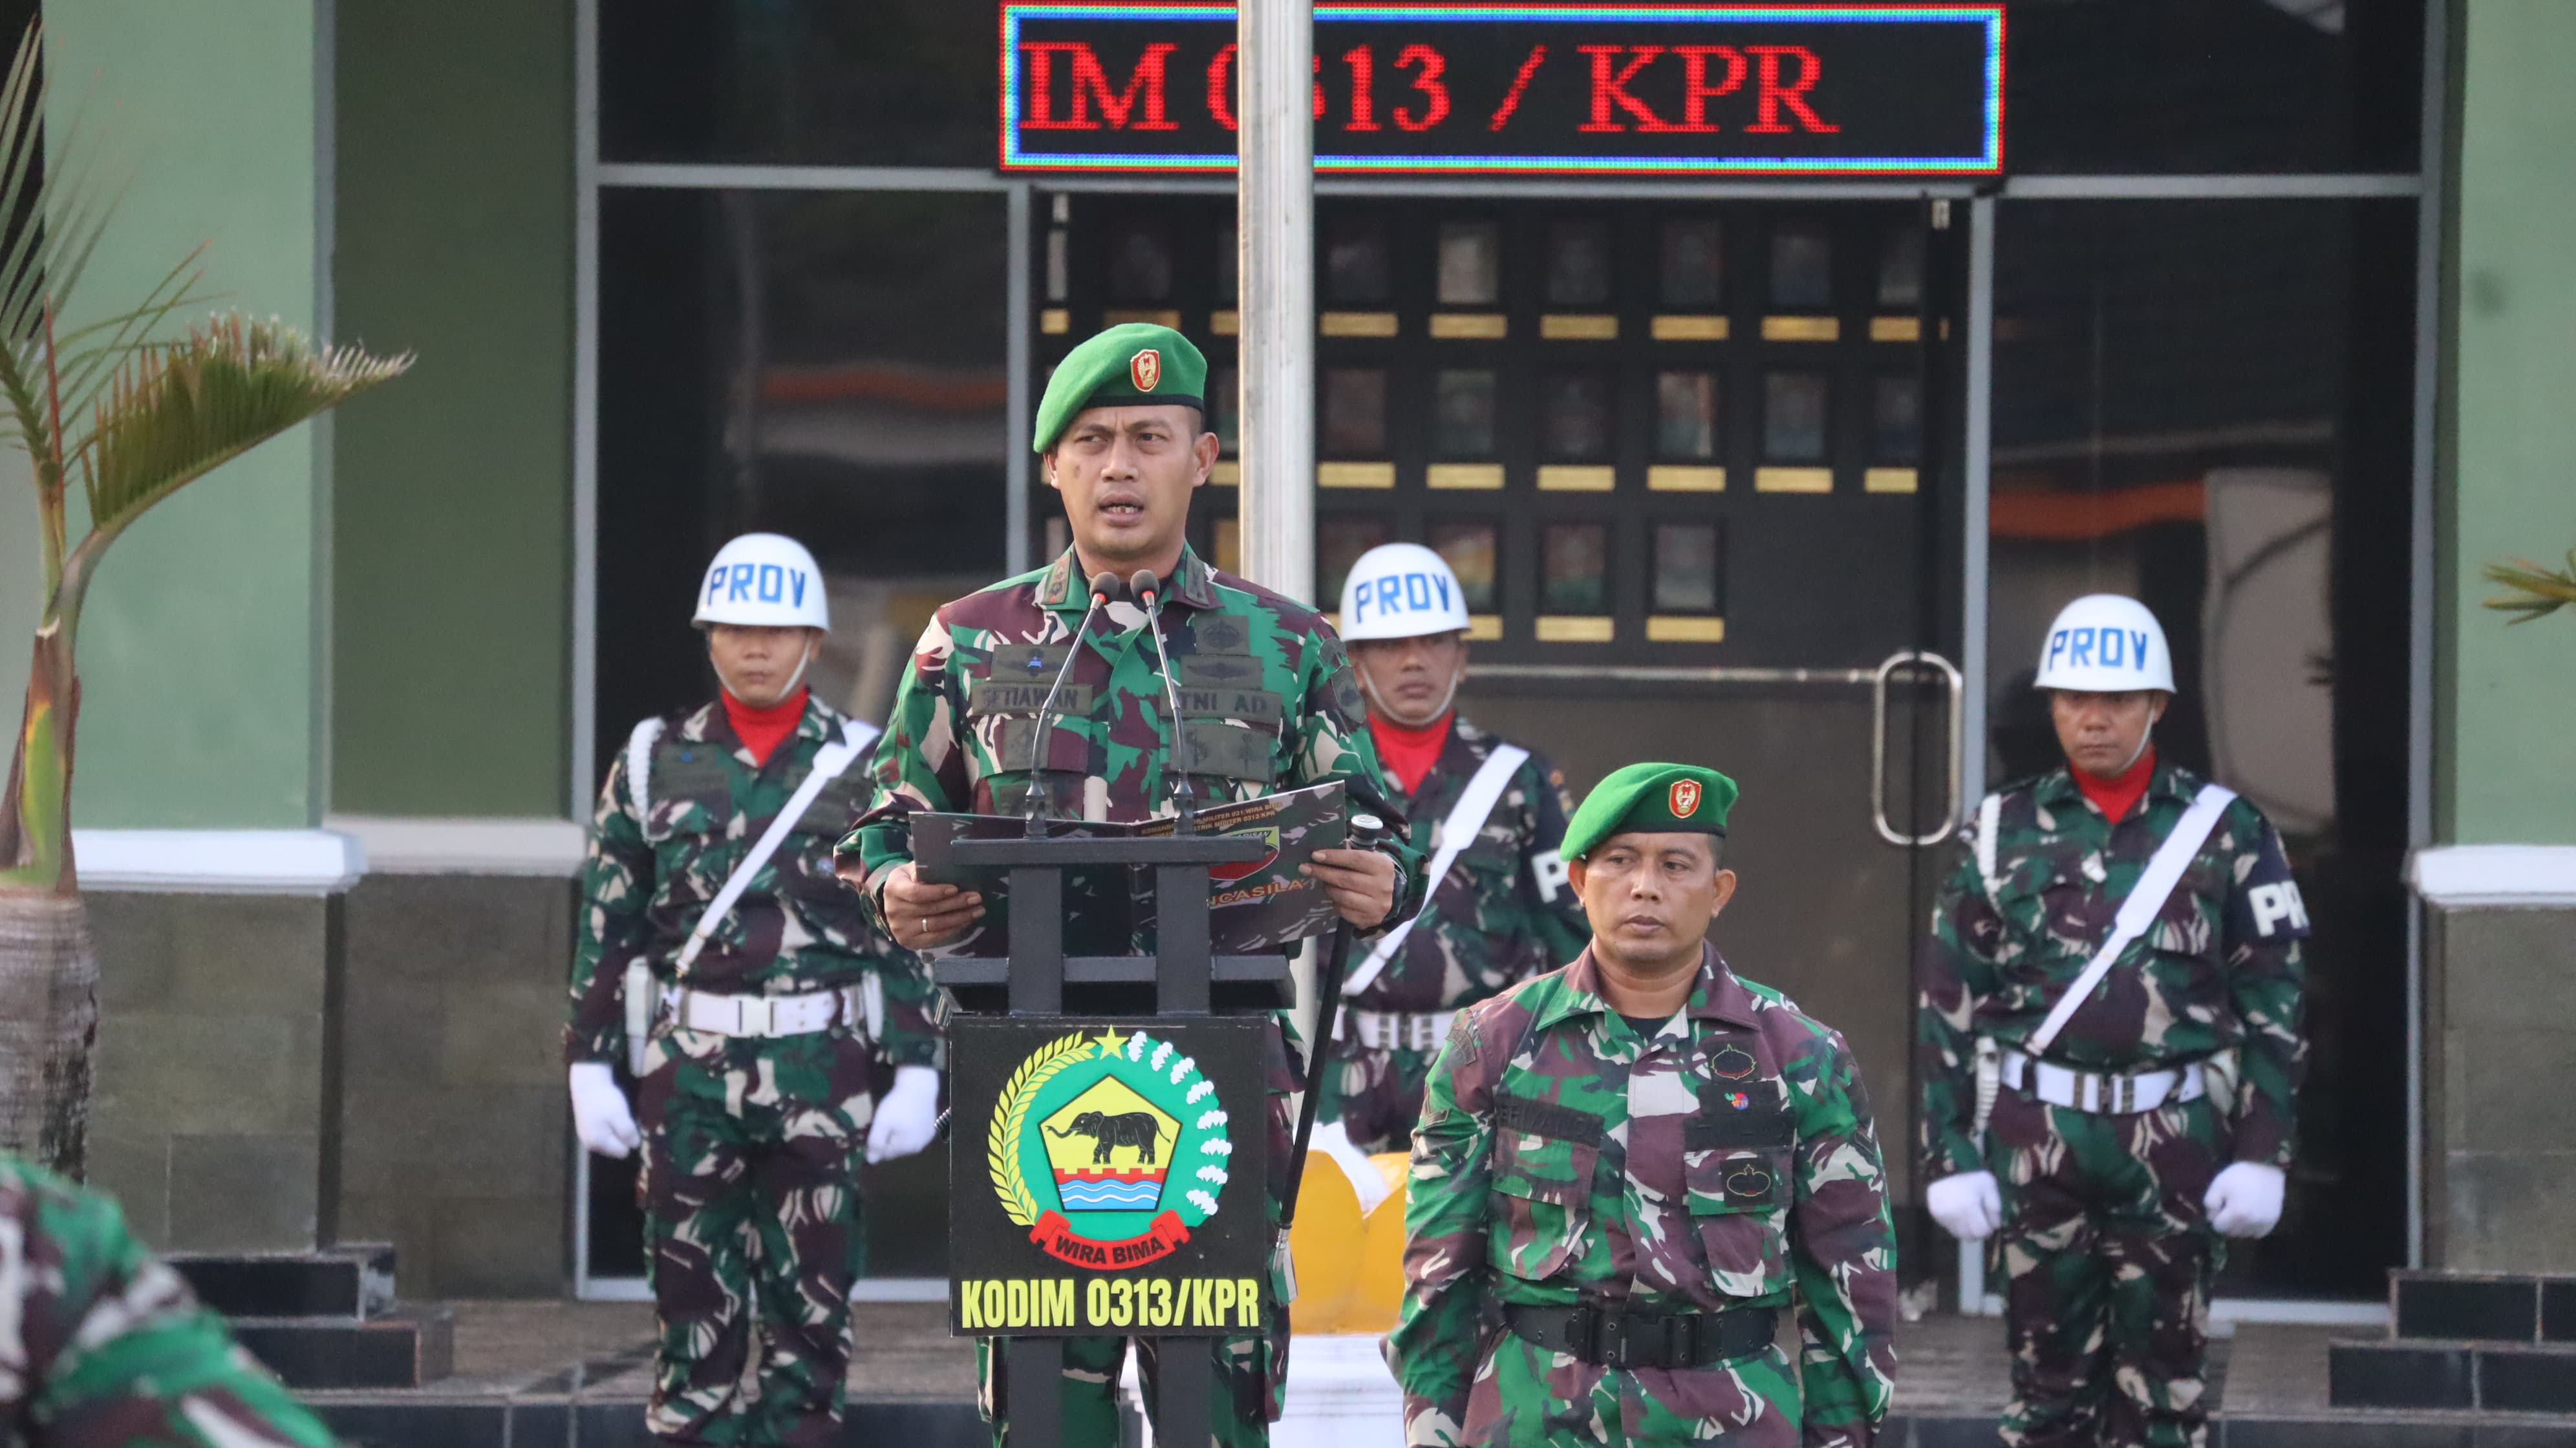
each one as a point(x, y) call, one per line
point(2102, 1092)
point(1396, 1030)
point(760, 1015)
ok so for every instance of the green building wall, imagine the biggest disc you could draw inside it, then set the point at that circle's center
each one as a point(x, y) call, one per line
point(2505, 698)
point(204, 657)
point(453, 505)
point(370, 615)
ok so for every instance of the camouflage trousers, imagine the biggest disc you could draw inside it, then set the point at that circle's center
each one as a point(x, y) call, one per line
point(1526, 1396)
point(1375, 1093)
point(2106, 1256)
point(751, 1206)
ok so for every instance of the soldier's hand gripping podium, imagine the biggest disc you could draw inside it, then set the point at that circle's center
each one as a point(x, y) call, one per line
point(749, 997)
point(1246, 690)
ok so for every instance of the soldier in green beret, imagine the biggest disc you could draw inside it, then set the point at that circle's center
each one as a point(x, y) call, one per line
point(1122, 434)
point(1630, 1164)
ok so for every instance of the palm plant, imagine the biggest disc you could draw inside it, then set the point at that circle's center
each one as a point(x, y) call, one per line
point(133, 414)
point(2533, 591)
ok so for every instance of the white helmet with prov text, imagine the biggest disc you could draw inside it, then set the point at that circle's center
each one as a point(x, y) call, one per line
point(763, 580)
point(1401, 591)
point(2105, 643)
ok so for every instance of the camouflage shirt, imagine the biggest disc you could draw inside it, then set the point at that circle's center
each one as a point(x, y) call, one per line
point(1720, 1164)
point(1267, 703)
point(102, 1345)
point(2218, 971)
point(796, 929)
point(1504, 912)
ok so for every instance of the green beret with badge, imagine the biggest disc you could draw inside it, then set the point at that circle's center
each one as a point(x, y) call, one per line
point(1134, 364)
point(1650, 799)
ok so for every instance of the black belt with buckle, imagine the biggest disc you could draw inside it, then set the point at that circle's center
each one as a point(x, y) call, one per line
point(1617, 1338)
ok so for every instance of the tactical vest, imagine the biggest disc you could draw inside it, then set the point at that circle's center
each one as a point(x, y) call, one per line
point(1738, 1153)
point(1232, 725)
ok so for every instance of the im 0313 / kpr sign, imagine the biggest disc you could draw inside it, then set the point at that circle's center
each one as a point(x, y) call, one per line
point(1108, 1175)
point(1526, 88)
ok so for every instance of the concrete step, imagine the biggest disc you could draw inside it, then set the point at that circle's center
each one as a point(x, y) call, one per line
point(364, 1421)
point(403, 1347)
point(2457, 1376)
point(354, 1282)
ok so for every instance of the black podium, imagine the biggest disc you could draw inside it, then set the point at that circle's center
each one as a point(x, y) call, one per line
point(1138, 1026)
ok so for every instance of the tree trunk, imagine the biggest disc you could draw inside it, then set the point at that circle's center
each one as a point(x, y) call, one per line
point(48, 1023)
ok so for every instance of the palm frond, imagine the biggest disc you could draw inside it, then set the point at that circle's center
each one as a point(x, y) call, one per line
point(2536, 592)
point(24, 269)
point(86, 357)
point(174, 413)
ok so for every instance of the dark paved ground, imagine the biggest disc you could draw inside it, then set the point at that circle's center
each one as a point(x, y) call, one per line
point(543, 1374)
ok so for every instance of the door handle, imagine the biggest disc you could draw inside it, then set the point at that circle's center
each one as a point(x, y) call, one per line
point(1957, 690)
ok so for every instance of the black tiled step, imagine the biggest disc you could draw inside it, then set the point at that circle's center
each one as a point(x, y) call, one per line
point(352, 1282)
point(2489, 1377)
point(2532, 1379)
point(2400, 1375)
point(2452, 1306)
point(2558, 1309)
point(401, 1349)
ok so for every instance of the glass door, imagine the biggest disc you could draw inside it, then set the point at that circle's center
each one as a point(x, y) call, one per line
point(1698, 466)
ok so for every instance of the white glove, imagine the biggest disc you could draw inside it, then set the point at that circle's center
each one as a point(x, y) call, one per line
point(906, 1115)
point(1968, 1204)
point(1334, 1140)
point(600, 1115)
point(2245, 1199)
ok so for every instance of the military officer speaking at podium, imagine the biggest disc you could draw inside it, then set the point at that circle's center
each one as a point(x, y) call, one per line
point(750, 996)
point(1489, 814)
point(1123, 440)
point(2109, 1046)
point(1626, 1167)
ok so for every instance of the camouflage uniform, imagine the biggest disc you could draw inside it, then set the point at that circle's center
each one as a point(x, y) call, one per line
point(1710, 1169)
point(752, 1146)
point(106, 1346)
point(1268, 703)
point(2105, 1248)
point(1503, 914)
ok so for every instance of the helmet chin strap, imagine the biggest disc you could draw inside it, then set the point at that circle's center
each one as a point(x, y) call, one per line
point(1369, 686)
point(2146, 737)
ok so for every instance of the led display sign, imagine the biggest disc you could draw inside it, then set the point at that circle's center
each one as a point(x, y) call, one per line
point(1677, 90)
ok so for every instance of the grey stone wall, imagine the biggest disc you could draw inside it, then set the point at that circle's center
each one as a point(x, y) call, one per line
point(2502, 1058)
point(218, 1058)
point(454, 1117)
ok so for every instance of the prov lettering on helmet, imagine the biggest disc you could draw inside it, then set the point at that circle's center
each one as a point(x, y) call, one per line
point(755, 582)
point(1401, 593)
point(2108, 648)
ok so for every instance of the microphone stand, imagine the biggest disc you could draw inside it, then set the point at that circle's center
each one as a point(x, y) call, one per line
point(1184, 795)
point(1105, 589)
point(1328, 1013)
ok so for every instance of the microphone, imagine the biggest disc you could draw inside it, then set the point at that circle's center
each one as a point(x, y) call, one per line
point(1149, 591)
point(1105, 589)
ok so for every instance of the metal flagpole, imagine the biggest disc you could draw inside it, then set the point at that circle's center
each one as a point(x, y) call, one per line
point(1275, 231)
